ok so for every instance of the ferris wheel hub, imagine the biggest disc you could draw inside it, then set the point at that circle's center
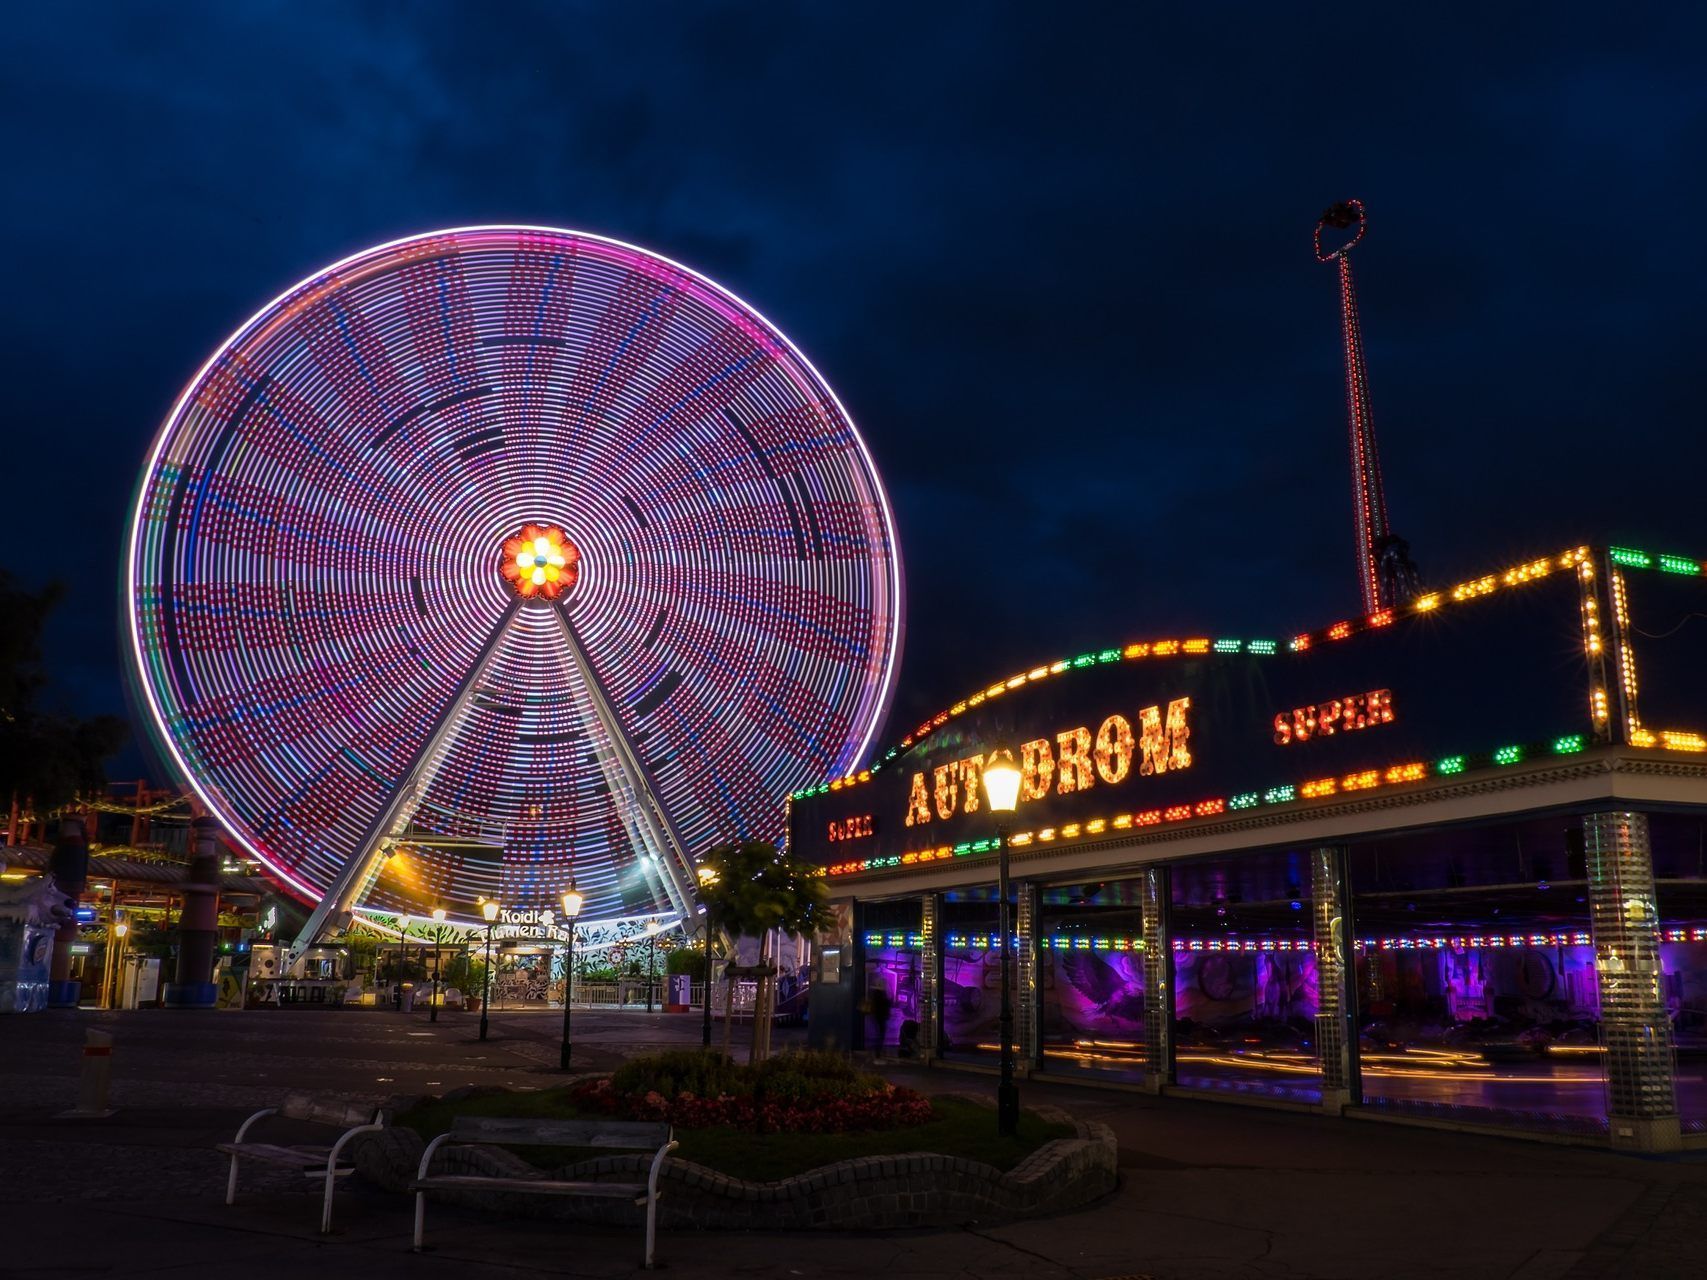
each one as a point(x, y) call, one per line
point(540, 562)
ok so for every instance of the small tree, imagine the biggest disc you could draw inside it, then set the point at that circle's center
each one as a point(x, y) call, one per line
point(689, 960)
point(49, 756)
point(749, 889)
point(465, 972)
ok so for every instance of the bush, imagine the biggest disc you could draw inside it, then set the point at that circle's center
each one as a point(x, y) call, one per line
point(686, 960)
point(802, 1092)
point(677, 1071)
point(464, 972)
point(815, 1064)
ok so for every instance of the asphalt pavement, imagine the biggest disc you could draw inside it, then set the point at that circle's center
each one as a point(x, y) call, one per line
point(1207, 1190)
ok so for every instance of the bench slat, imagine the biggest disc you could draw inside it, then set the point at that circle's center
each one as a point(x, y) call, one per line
point(269, 1153)
point(305, 1106)
point(473, 1182)
point(628, 1134)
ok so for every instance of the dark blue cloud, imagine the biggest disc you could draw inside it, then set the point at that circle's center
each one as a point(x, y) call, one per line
point(1055, 259)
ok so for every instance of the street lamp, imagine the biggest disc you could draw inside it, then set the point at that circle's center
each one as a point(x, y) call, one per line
point(403, 923)
point(489, 909)
point(572, 903)
point(438, 941)
point(707, 877)
point(120, 928)
point(1001, 788)
point(651, 959)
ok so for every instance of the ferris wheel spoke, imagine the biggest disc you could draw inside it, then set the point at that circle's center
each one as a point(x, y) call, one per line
point(646, 816)
point(359, 871)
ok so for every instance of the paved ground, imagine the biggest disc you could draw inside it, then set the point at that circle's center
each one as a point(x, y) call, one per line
point(1207, 1190)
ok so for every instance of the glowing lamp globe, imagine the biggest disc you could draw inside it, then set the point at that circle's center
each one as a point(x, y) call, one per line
point(1001, 781)
point(489, 909)
point(572, 902)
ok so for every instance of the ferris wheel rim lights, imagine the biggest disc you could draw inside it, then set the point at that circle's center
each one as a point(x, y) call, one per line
point(163, 433)
point(875, 681)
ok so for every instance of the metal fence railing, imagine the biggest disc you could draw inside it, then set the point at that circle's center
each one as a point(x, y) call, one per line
point(631, 993)
point(625, 993)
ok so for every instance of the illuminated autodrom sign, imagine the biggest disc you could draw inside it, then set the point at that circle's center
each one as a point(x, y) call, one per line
point(1071, 762)
point(1158, 732)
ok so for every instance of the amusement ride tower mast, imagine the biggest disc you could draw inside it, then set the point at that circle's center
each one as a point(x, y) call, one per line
point(1384, 567)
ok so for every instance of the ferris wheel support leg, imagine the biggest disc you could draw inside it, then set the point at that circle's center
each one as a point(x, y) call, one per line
point(359, 872)
point(673, 859)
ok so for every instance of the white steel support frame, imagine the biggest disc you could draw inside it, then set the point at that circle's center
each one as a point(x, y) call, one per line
point(649, 822)
point(1635, 1026)
point(357, 877)
point(1156, 904)
point(1336, 969)
point(1028, 994)
point(930, 977)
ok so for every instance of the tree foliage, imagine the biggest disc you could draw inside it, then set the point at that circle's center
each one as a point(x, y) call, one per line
point(752, 888)
point(48, 755)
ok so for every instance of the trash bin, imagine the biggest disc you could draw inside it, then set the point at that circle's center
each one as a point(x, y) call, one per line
point(408, 1004)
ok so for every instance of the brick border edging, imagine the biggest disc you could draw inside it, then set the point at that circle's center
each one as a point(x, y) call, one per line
point(917, 1189)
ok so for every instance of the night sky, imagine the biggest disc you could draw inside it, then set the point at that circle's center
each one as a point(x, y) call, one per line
point(1055, 259)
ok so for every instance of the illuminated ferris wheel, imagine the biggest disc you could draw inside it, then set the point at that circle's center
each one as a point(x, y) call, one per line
point(498, 556)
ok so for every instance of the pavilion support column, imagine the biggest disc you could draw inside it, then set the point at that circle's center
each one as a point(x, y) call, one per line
point(1027, 1003)
point(198, 924)
point(1641, 1094)
point(69, 865)
point(1155, 906)
point(1336, 979)
point(930, 977)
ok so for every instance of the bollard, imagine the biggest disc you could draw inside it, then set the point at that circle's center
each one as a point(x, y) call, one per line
point(97, 1077)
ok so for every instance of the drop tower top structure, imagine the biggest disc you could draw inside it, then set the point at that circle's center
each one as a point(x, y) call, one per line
point(1385, 573)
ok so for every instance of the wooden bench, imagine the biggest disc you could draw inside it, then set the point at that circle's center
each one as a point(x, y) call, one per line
point(622, 1135)
point(314, 1161)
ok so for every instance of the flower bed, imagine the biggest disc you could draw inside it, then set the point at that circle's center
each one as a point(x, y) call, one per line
point(791, 1093)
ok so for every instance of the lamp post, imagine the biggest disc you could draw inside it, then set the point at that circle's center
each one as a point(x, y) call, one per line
point(651, 960)
point(707, 876)
point(403, 923)
point(120, 929)
point(1001, 788)
point(488, 909)
point(572, 902)
point(438, 941)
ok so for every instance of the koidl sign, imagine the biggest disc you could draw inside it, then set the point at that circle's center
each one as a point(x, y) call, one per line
point(533, 923)
point(1544, 658)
